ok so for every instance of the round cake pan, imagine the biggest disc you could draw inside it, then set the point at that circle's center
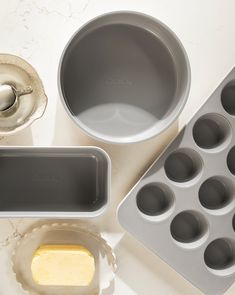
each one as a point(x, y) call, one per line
point(124, 77)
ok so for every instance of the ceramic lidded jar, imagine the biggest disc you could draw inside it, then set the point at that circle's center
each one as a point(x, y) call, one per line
point(22, 96)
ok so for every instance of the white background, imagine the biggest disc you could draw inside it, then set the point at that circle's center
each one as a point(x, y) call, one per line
point(38, 31)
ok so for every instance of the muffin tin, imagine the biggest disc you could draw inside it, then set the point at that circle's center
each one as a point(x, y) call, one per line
point(183, 207)
point(53, 182)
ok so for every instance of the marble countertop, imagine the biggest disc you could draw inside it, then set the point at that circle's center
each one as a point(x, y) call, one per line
point(37, 31)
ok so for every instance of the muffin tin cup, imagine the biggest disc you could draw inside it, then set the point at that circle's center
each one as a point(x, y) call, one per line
point(227, 98)
point(233, 222)
point(219, 256)
point(183, 165)
point(132, 77)
point(231, 160)
point(155, 201)
point(189, 229)
point(216, 195)
point(211, 131)
point(197, 236)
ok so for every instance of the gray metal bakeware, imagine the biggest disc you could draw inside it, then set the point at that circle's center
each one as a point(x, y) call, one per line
point(183, 207)
point(124, 77)
point(54, 182)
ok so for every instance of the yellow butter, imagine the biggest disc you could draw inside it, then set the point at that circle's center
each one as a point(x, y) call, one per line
point(63, 265)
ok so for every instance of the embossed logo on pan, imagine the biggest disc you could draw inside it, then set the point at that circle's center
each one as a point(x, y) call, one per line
point(45, 177)
point(118, 81)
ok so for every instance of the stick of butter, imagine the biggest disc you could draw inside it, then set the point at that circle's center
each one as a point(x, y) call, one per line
point(63, 265)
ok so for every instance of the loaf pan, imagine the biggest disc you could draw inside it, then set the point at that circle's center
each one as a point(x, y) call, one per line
point(53, 182)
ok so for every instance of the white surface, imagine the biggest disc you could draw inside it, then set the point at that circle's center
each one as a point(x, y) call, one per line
point(38, 31)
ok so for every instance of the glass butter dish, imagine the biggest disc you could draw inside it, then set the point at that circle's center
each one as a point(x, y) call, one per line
point(79, 233)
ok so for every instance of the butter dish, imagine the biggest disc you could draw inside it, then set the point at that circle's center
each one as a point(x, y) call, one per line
point(79, 233)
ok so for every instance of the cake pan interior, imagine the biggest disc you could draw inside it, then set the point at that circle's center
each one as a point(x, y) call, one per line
point(70, 180)
point(124, 77)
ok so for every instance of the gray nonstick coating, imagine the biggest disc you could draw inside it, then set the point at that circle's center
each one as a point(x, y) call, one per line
point(124, 77)
point(53, 182)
